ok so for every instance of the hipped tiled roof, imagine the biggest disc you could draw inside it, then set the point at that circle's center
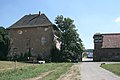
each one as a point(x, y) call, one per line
point(32, 20)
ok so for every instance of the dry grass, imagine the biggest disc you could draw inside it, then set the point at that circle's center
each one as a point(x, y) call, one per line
point(72, 74)
point(48, 71)
point(10, 65)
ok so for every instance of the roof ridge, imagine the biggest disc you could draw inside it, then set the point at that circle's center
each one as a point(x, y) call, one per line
point(107, 34)
point(31, 20)
point(111, 34)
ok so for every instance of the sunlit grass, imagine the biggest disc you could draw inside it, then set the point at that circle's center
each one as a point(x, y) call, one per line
point(115, 68)
point(58, 72)
point(27, 72)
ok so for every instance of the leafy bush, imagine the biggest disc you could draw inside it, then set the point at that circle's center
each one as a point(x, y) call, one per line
point(4, 43)
point(55, 55)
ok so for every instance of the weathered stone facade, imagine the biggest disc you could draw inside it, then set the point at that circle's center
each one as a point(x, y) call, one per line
point(36, 35)
point(106, 47)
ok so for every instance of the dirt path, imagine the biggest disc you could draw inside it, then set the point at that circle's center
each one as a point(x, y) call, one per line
point(41, 76)
point(72, 74)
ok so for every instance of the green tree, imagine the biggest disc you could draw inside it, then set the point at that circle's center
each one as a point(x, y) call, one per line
point(55, 54)
point(4, 42)
point(71, 44)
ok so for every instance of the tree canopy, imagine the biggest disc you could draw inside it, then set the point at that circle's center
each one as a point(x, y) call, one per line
point(71, 44)
point(4, 42)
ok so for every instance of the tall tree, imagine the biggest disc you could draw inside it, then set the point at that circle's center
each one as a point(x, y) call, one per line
point(71, 44)
point(4, 42)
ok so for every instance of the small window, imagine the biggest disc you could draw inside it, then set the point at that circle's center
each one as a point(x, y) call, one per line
point(96, 37)
point(27, 42)
point(100, 40)
point(96, 40)
point(20, 31)
point(11, 41)
point(43, 40)
point(46, 29)
point(100, 37)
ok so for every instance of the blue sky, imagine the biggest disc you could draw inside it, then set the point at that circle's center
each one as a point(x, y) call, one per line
point(90, 16)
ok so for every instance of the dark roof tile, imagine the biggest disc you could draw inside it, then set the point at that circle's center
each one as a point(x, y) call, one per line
point(32, 21)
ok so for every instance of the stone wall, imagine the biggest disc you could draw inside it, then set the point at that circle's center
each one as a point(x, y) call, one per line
point(36, 39)
point(109, 54)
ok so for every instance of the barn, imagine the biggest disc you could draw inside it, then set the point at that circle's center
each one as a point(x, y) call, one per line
point(106, 47)
point(34, 34)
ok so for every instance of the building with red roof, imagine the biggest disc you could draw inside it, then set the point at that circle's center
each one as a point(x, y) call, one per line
point(106, 47)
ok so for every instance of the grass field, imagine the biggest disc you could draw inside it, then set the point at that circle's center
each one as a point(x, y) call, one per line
point(26, 72)
point(58, 72)
point(10, 65)
point(115, 68)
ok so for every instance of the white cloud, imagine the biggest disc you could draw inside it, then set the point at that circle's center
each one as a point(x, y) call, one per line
point(117, 20)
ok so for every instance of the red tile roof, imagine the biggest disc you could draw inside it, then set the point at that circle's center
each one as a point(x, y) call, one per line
point(111, 40)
